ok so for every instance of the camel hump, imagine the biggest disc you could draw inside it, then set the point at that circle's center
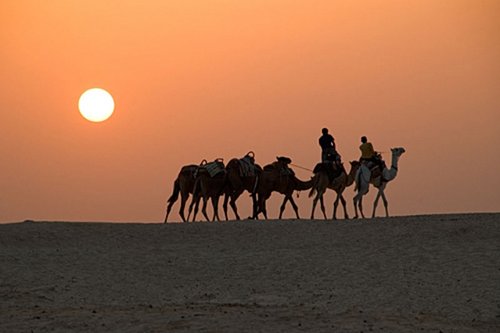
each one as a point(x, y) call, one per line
point(189, 168)
point(319, 167)
point(270, 167)
point(284, 159)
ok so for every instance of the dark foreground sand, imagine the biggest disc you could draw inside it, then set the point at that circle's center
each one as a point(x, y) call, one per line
point(406, 274)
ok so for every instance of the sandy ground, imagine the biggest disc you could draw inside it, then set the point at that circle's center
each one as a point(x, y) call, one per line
point(436, 273)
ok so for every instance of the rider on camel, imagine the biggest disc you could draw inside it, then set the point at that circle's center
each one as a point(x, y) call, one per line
point(368, 154)
point(328, 151)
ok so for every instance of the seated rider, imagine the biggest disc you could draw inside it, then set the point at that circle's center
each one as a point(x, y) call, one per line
point(368, 154)
point(328, 151)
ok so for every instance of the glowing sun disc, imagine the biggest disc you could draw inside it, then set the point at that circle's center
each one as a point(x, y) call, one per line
point(96, 105)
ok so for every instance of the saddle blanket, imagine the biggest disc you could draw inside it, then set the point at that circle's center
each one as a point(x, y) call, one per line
point(247, 167)
point(214, 168)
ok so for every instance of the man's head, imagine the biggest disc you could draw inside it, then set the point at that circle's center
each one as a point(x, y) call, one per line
point(364, 139)
point(324, 130)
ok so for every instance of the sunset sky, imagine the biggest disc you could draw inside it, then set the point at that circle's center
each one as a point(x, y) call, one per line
point(197, 80)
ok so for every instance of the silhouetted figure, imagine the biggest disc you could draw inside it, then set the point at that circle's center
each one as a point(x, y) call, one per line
point(368, 155)
point(328, 149)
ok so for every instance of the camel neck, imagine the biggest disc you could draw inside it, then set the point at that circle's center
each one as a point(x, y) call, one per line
point(394, 162)
point(390, 174)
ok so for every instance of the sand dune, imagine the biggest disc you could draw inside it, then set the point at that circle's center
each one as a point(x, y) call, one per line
point(406, 274)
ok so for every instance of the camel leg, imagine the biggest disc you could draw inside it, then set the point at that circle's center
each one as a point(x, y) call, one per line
point(169, 208)
point(224, 205)
point(215, 205)
point(335, 206)
point(282, 208)
point(375, 203)
point(258, 208)
point(184, 198)
point(361, 207)
point(255, 207)
point(344, 204)
point(358, 203)
point(355, 202)
point(295, 207)
point(194, 204)
point(386, 204)
point(322, 203)
point(262, 205)
point(263, 210)
point(315, 202)
point(235, 209)
point(204, 208)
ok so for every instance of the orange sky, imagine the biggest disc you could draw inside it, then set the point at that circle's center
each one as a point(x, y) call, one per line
point(197, 80)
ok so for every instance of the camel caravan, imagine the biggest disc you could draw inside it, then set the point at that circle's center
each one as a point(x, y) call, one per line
point(209, 181)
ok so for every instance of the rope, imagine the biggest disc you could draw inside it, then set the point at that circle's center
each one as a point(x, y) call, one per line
point(300, 167)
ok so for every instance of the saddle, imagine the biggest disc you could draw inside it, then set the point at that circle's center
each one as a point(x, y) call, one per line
point(281, 164)
point(375, 166)
point(333, 170)
point(247, 165)
point(213, 168)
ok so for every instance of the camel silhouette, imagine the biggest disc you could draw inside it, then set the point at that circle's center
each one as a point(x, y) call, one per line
point(278, 177)
point(322, 181)
point(379, 179)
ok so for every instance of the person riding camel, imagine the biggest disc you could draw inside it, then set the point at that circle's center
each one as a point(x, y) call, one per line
point(368, 154)
point(328, 149)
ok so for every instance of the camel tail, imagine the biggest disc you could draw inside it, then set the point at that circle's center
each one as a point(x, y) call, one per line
point(197, 187)
point(175, 193)
point(314, 184)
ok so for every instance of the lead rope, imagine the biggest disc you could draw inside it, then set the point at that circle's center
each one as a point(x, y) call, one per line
point(303, 168)
point(300, 167)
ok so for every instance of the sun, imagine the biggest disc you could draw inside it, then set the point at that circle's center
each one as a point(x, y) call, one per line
point(96, 105)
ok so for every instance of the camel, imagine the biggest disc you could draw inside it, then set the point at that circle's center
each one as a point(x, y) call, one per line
point(208, 186)
point(241, 175)
point(321, 181)
point(379, 179)
point(184, 184)
point(280, 178)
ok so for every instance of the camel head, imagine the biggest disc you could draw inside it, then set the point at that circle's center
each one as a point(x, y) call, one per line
point(397, 151)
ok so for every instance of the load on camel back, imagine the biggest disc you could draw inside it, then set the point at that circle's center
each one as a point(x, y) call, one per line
point(248, 168)
point(281, 165)
point(210, 183)
point(242, 175)
point(213, 168)
point(375, 166)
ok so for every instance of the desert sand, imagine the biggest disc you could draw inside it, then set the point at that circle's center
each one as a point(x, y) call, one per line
point(438, 273)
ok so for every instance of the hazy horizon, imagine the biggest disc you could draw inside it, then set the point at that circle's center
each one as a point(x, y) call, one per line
point(194, 80)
